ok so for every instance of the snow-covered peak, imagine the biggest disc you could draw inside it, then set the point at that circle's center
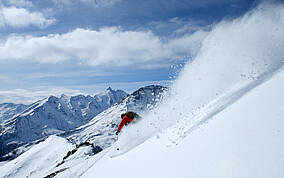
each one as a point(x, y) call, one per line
point(109, 89)
point(145, 98)
point(64, 97)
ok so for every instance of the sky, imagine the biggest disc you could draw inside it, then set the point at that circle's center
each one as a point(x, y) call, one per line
point(50, 47)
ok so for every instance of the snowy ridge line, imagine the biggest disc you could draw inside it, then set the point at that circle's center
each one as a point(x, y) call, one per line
point(182, 129)
point(30, 109)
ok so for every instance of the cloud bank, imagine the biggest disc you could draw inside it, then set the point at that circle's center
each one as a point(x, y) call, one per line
point(111, 46)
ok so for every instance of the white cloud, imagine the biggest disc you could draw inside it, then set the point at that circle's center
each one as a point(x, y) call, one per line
point(109, 46)
point(21, 17)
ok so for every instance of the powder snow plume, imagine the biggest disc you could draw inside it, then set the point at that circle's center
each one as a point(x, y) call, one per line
point(234, 58)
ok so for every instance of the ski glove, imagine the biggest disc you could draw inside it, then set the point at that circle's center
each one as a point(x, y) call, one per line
point(116, 133)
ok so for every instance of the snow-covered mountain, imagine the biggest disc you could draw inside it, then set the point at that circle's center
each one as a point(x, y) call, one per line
point(52, 116)
point(89, 138)
point(9, 110)
point(64, 114)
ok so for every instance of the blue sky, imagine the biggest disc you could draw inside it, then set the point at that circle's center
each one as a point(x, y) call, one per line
point(83, 46)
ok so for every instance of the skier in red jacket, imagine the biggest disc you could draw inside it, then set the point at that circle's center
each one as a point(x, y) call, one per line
point(126, 118)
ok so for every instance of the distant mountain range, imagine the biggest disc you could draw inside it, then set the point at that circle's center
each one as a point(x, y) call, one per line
point(50, 116)
point(73, 117)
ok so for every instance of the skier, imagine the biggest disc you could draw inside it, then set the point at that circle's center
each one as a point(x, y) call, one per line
point(126, 118)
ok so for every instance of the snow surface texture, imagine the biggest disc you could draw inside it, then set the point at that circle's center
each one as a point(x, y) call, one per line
point(52, 116)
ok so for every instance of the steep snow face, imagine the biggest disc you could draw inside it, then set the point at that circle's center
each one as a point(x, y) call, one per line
point(245, 140)
point(8, 110)
point(52, 116)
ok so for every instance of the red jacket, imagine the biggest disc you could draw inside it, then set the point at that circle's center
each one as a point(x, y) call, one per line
point(124, 120)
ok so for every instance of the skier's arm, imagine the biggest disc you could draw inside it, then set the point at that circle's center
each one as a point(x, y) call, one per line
point(122, 123)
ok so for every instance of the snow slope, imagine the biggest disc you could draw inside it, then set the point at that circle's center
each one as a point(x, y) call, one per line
point(38, 160)
point(245, 140)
